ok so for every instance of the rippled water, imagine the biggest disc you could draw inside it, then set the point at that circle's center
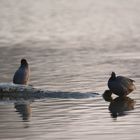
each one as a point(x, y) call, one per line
point(71, 46)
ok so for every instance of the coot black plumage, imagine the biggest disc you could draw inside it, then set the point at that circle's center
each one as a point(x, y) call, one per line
point(120, 85)
point(21, 76)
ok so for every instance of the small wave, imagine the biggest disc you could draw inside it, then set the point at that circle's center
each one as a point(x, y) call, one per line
point(13, 91)
point(46, 94)
point(63, 95)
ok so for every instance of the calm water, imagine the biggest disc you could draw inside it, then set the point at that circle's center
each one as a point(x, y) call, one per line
point(71, 46)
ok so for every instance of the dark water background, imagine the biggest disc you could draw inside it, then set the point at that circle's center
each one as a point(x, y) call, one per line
point(71, 46)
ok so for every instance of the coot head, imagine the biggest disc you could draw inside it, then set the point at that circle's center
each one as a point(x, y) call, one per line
point(24, 62)
point(113, 76)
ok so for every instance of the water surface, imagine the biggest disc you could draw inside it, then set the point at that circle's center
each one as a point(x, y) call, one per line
point(71, 46)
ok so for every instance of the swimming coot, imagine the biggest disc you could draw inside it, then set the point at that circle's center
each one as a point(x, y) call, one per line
point(120, 85)
point(21, 76)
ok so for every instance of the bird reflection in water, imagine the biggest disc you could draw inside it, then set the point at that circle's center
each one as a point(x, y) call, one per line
point(120, 105)
point(24, 108)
